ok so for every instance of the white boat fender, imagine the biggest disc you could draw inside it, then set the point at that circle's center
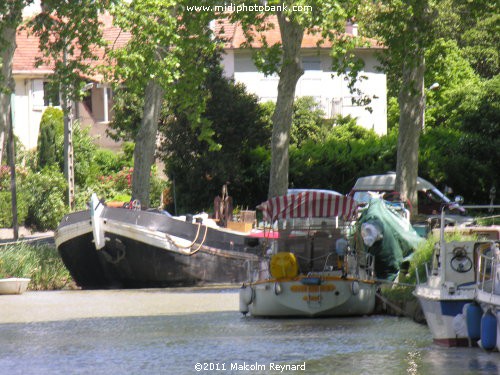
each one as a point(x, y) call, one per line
point(246, 298)
point(355, 288)
point(460, 325)
point(277, 288)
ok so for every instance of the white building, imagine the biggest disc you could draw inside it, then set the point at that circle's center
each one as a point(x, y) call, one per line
point(318, 80)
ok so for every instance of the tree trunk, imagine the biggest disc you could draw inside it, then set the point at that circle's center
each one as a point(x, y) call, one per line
point(7, 85)
point(291, 70)
point(411, 105)
point(145, 143)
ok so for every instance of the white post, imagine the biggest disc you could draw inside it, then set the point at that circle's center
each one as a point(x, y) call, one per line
point(105, 104)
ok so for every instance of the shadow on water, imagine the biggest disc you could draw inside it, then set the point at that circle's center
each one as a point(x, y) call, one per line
point(175, 344)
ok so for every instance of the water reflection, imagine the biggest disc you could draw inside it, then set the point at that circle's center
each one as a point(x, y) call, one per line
point(175, 344)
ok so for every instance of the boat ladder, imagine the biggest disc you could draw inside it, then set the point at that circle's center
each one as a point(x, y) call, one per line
point(313, 285)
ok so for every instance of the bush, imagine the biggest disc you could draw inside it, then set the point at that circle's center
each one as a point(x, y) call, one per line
point(118, 187)
point(6, 196)
point(347, 152)
point(46, 198)
point(6, 208)
point(107, 162)
point(51, 129)
point(50, 150)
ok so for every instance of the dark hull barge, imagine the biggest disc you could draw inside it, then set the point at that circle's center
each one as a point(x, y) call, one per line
point(108, 248)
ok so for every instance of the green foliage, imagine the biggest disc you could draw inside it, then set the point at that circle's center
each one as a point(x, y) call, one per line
point(6, 208)
point(51, 146)
point(447, 66)
point(108, 187)
point(6, 196)
point(41, 263)
point(51, 129)
point(307, 119)
point(21, 175)
point(474, 26)
point(107, 161)
point(480, 45)
point(128, 108)
point(84, 150)
point(117, 186)
point(46, 198)
point(169, 45)
point(467, 141)
point(157, 186)
point(346, 153)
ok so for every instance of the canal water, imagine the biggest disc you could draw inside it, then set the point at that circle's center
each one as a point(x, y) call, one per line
point(225, 342)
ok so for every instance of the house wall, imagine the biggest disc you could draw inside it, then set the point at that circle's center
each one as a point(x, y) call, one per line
point(29, 105)
point(28, 109)
point(320, 82)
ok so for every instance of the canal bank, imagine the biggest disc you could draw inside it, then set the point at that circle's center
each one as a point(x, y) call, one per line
point(45, 306)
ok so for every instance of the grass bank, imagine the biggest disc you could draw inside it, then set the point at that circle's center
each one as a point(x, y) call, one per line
point(41, 263)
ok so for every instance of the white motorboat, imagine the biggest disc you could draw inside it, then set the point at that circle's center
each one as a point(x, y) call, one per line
point(450, 288)
point(311, 270)
point(14, 285)
point(488, 294)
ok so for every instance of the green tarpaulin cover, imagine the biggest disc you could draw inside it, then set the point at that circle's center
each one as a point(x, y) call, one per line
point(396, 239)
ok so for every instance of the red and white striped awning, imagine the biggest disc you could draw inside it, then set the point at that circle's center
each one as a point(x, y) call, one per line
point(308, 204)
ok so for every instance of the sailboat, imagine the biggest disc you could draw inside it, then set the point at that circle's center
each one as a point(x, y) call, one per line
point(313, 266)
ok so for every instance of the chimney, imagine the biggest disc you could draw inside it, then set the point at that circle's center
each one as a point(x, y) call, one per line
point(351, 28)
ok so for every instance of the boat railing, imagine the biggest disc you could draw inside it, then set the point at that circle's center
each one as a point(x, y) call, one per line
point(331, 262)
point(488, 268)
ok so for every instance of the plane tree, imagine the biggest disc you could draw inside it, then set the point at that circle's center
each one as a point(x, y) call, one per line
point(162, 62)
point(409, 29)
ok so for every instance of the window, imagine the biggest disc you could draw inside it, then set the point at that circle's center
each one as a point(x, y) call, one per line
point(311, 63)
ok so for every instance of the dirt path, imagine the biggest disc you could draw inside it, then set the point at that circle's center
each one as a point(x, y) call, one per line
point(7, 235)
